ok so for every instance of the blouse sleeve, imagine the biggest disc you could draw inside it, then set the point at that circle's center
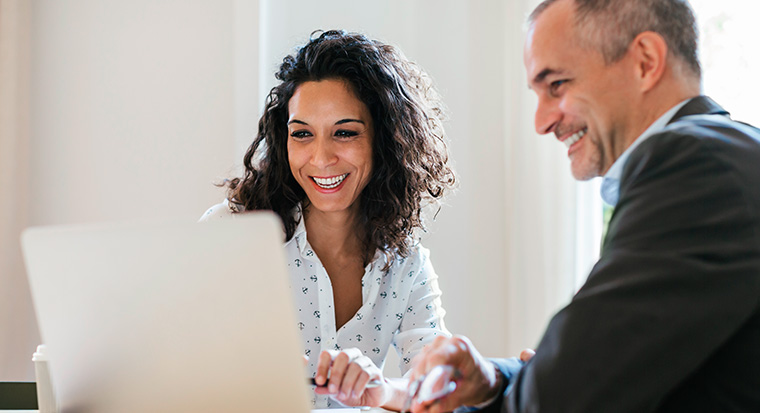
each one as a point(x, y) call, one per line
point(218, 211)
point(423, 315)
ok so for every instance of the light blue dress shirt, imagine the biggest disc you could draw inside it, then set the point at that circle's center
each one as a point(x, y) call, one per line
point(611, 181)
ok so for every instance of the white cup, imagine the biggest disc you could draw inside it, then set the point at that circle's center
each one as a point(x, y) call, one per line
point(45, 396)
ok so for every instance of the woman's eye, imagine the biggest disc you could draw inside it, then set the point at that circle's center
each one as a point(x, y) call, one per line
point(300, 134)
point(342, 133)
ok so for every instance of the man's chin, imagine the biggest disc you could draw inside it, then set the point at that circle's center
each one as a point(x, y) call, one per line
point(583, 174)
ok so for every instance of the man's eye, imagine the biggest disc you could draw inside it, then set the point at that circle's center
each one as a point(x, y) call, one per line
point(554, 86)
point(342, 133)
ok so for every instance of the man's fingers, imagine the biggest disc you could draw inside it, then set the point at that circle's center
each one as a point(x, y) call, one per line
point(526, 355)
point(428, 357)
point(446, 404)
point(474, 371)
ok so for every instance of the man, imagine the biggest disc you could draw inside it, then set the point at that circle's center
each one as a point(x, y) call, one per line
point(669, 318)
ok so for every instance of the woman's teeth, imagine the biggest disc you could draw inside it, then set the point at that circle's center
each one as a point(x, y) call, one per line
point(575, 137)
point(329, 183)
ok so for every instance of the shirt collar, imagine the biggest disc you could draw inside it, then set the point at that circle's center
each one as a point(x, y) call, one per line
point(611, 181)
point(299, 236)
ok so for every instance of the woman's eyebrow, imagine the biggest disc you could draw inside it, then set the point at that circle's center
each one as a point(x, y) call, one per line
point(342, 121)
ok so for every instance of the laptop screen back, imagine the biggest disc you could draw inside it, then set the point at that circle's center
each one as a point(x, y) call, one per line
point(170, 317)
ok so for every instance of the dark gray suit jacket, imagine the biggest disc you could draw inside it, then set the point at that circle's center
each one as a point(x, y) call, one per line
point(669, 318)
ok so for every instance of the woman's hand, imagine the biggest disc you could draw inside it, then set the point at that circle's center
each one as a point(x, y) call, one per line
point(349, 371)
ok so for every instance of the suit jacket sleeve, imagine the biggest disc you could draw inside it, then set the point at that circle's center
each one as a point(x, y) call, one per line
point(671, 286)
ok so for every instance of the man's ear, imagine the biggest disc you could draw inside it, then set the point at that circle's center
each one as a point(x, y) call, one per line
point(650, 53)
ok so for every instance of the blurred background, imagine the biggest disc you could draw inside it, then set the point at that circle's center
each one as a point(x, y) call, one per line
point(114, 110)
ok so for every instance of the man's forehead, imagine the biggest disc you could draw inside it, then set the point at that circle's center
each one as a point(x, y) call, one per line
point(550, 42)
point(544, 59)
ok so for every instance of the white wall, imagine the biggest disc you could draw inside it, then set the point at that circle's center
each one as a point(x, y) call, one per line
point(133, 108)
point(136, 109)
point(17, 323)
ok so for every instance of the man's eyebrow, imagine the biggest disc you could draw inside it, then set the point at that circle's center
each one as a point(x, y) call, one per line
point(543, 74)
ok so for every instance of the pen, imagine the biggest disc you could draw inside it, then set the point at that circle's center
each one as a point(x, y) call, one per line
point(371, 384)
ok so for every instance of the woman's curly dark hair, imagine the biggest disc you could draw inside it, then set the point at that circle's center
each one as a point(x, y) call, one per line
point(409, 152)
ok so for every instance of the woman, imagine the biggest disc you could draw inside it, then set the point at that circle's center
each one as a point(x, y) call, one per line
point(349, 150)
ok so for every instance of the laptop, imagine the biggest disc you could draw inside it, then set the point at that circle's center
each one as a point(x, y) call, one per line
point(168, 317)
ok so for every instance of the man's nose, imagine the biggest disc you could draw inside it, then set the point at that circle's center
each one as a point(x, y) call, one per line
point(548, 114)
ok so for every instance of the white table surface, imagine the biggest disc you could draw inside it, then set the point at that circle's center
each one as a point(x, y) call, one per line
point(347, 410)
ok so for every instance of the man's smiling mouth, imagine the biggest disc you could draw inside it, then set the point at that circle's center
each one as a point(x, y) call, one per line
point(575, 137)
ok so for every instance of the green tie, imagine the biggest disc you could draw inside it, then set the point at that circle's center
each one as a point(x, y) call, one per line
point(606, 215)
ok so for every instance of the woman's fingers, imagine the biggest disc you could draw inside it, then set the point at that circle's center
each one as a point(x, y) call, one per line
point(340, 361)
point(345, 375)
point(323, 366)
point(350, 377)
point(337, 372)
point(359, 373)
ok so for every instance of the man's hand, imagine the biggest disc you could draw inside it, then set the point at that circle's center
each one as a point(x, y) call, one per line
point(526, 355)
point(477, 378)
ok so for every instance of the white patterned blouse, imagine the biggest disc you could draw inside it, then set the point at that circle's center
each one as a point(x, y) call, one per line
point(400, 306)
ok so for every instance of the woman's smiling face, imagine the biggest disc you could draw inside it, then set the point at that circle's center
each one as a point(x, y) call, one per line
point(330, 133)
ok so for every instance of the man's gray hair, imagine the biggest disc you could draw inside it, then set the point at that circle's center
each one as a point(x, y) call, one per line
point(611, 25)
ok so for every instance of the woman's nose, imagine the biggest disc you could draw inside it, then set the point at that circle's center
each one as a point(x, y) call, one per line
point(323, 154)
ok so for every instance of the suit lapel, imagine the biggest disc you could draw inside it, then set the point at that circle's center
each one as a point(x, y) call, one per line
point(700, 105)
